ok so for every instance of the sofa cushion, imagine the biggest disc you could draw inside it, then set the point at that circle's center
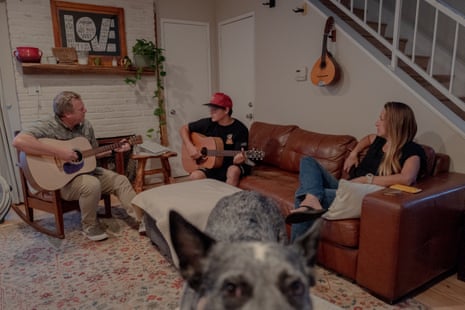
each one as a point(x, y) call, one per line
point(273, 182)
point(430, 158)
point(329, 150)
point(271, 139)
point(341, 232)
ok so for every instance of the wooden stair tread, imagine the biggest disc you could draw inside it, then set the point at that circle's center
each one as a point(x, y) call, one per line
point(420, 60)
point(374, 26)
point(402, 43)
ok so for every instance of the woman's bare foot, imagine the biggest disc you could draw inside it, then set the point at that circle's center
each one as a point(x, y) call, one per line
point(310, 209)
point(309, 201)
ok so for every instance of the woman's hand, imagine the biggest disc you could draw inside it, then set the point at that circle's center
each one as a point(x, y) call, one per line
point(351, 160)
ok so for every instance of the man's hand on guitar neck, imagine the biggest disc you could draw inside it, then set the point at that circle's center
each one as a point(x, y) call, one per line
point(239, 158)
point(125, 146)
point(242, 158)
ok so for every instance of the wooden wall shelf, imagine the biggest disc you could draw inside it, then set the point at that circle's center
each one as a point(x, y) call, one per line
point(35, 68)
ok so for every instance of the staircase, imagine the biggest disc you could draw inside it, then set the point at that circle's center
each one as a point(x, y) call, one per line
point(441, 81)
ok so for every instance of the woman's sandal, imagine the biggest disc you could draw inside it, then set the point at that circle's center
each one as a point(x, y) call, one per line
point(304, 216)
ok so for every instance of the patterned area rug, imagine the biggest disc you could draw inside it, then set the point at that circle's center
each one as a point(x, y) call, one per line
point(124, 272)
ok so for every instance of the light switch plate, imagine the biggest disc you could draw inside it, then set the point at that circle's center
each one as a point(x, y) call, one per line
point(301, 74)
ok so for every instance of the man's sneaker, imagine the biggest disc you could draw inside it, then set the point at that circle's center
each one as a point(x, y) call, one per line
point(142, 230)
point(95, 233)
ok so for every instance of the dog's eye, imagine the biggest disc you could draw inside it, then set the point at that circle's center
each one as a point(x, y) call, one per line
point(292, 286)
point(296, 288)
point(236, 290)
point(231, 289)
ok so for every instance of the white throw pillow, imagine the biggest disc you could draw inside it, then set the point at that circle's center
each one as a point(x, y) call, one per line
point(348, 201)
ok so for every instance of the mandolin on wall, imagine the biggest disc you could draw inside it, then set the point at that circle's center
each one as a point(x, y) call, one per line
point(326, 71)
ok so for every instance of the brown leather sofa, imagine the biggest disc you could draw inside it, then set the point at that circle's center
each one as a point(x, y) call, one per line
point(401, 242)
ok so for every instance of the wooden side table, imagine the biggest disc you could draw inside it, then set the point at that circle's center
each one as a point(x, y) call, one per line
point(141, 172)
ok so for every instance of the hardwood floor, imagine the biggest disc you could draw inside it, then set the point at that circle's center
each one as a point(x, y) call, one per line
point(447, 294)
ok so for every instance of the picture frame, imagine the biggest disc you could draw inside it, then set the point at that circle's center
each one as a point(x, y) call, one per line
point(99, 30)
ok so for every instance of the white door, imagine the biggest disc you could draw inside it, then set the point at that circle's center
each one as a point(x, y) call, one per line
point(188, 78)
point(9, 110)
point(237, 65)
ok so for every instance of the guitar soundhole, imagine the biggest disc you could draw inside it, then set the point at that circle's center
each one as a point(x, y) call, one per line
point(74, 166)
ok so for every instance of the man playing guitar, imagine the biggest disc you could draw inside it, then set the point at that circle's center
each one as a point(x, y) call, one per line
point(233, 134)
point(67, 123)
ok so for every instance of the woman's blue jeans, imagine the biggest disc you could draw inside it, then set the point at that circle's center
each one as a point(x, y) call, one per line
point(315, 180)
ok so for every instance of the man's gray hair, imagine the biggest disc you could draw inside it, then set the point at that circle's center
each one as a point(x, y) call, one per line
point(62, 102)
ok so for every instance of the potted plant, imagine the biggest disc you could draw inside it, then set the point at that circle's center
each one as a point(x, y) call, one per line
point(144, 53)
point(154, 59)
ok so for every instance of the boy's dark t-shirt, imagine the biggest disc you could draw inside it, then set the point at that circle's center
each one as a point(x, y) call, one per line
point(234, 136)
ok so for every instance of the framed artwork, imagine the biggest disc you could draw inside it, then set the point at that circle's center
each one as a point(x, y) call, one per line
point(99, 30)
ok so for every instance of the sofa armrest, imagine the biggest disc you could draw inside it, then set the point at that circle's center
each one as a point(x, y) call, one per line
point(407, 239)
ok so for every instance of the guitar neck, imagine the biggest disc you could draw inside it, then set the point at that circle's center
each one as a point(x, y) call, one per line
point(109, 147)
point(101, 149)
point(223, 153)
point(323, 50)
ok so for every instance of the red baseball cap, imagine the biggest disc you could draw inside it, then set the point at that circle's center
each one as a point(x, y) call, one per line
point(220, 100)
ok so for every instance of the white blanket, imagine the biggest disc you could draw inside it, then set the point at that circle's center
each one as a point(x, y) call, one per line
point(194, 200)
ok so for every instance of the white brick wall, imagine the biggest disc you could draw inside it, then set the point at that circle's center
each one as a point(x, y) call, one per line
point(114, 108)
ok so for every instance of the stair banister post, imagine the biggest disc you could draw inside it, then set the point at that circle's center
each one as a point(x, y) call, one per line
point(415, 29)
point(433, 44)
point(396, 34)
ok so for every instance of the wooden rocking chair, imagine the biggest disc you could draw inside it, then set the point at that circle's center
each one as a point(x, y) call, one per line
point(51, 202)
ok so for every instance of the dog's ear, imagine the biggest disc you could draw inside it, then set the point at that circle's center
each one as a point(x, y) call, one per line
point(191, 246)
point(308, 245)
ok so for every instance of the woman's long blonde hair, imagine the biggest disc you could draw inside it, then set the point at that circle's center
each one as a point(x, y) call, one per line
point(401, 127)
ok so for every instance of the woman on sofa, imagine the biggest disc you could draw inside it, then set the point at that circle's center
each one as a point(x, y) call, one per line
point(392, 158)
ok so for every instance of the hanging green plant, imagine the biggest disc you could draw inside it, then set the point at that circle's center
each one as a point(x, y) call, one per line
point(154, 60)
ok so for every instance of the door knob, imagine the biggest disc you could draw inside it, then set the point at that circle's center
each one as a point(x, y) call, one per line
point(249, 116)
point(172, 112)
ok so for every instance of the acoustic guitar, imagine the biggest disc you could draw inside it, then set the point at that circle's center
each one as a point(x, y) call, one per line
point(49, 173)
point(326, 71)
point(212, 153)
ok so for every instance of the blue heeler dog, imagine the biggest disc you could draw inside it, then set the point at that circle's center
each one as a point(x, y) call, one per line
point(242, 260)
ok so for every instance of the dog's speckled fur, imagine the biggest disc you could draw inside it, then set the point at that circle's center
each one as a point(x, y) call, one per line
point(242, 260)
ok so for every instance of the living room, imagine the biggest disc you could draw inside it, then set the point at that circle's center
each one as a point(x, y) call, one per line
point(284, 41)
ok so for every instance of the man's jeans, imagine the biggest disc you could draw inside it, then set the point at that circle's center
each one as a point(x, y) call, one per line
point(315, 180)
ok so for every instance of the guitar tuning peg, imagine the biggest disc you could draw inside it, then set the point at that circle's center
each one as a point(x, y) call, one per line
point(270, 3)
point(333, 35)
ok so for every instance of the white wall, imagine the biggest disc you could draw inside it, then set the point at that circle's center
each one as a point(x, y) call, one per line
point(286, 41)
point(114, 108)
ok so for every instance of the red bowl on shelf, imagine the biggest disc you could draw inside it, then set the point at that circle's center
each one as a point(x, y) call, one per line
point(28, 54)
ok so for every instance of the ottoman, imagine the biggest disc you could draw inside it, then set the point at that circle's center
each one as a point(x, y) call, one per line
point(192, 199)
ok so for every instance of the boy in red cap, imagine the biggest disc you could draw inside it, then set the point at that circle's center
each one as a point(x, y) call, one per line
point(231, 131)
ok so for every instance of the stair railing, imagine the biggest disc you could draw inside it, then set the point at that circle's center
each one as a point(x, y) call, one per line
point(396, 54)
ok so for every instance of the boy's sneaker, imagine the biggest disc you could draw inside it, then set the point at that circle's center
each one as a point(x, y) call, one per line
point(95, 233)
point(142, 230)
